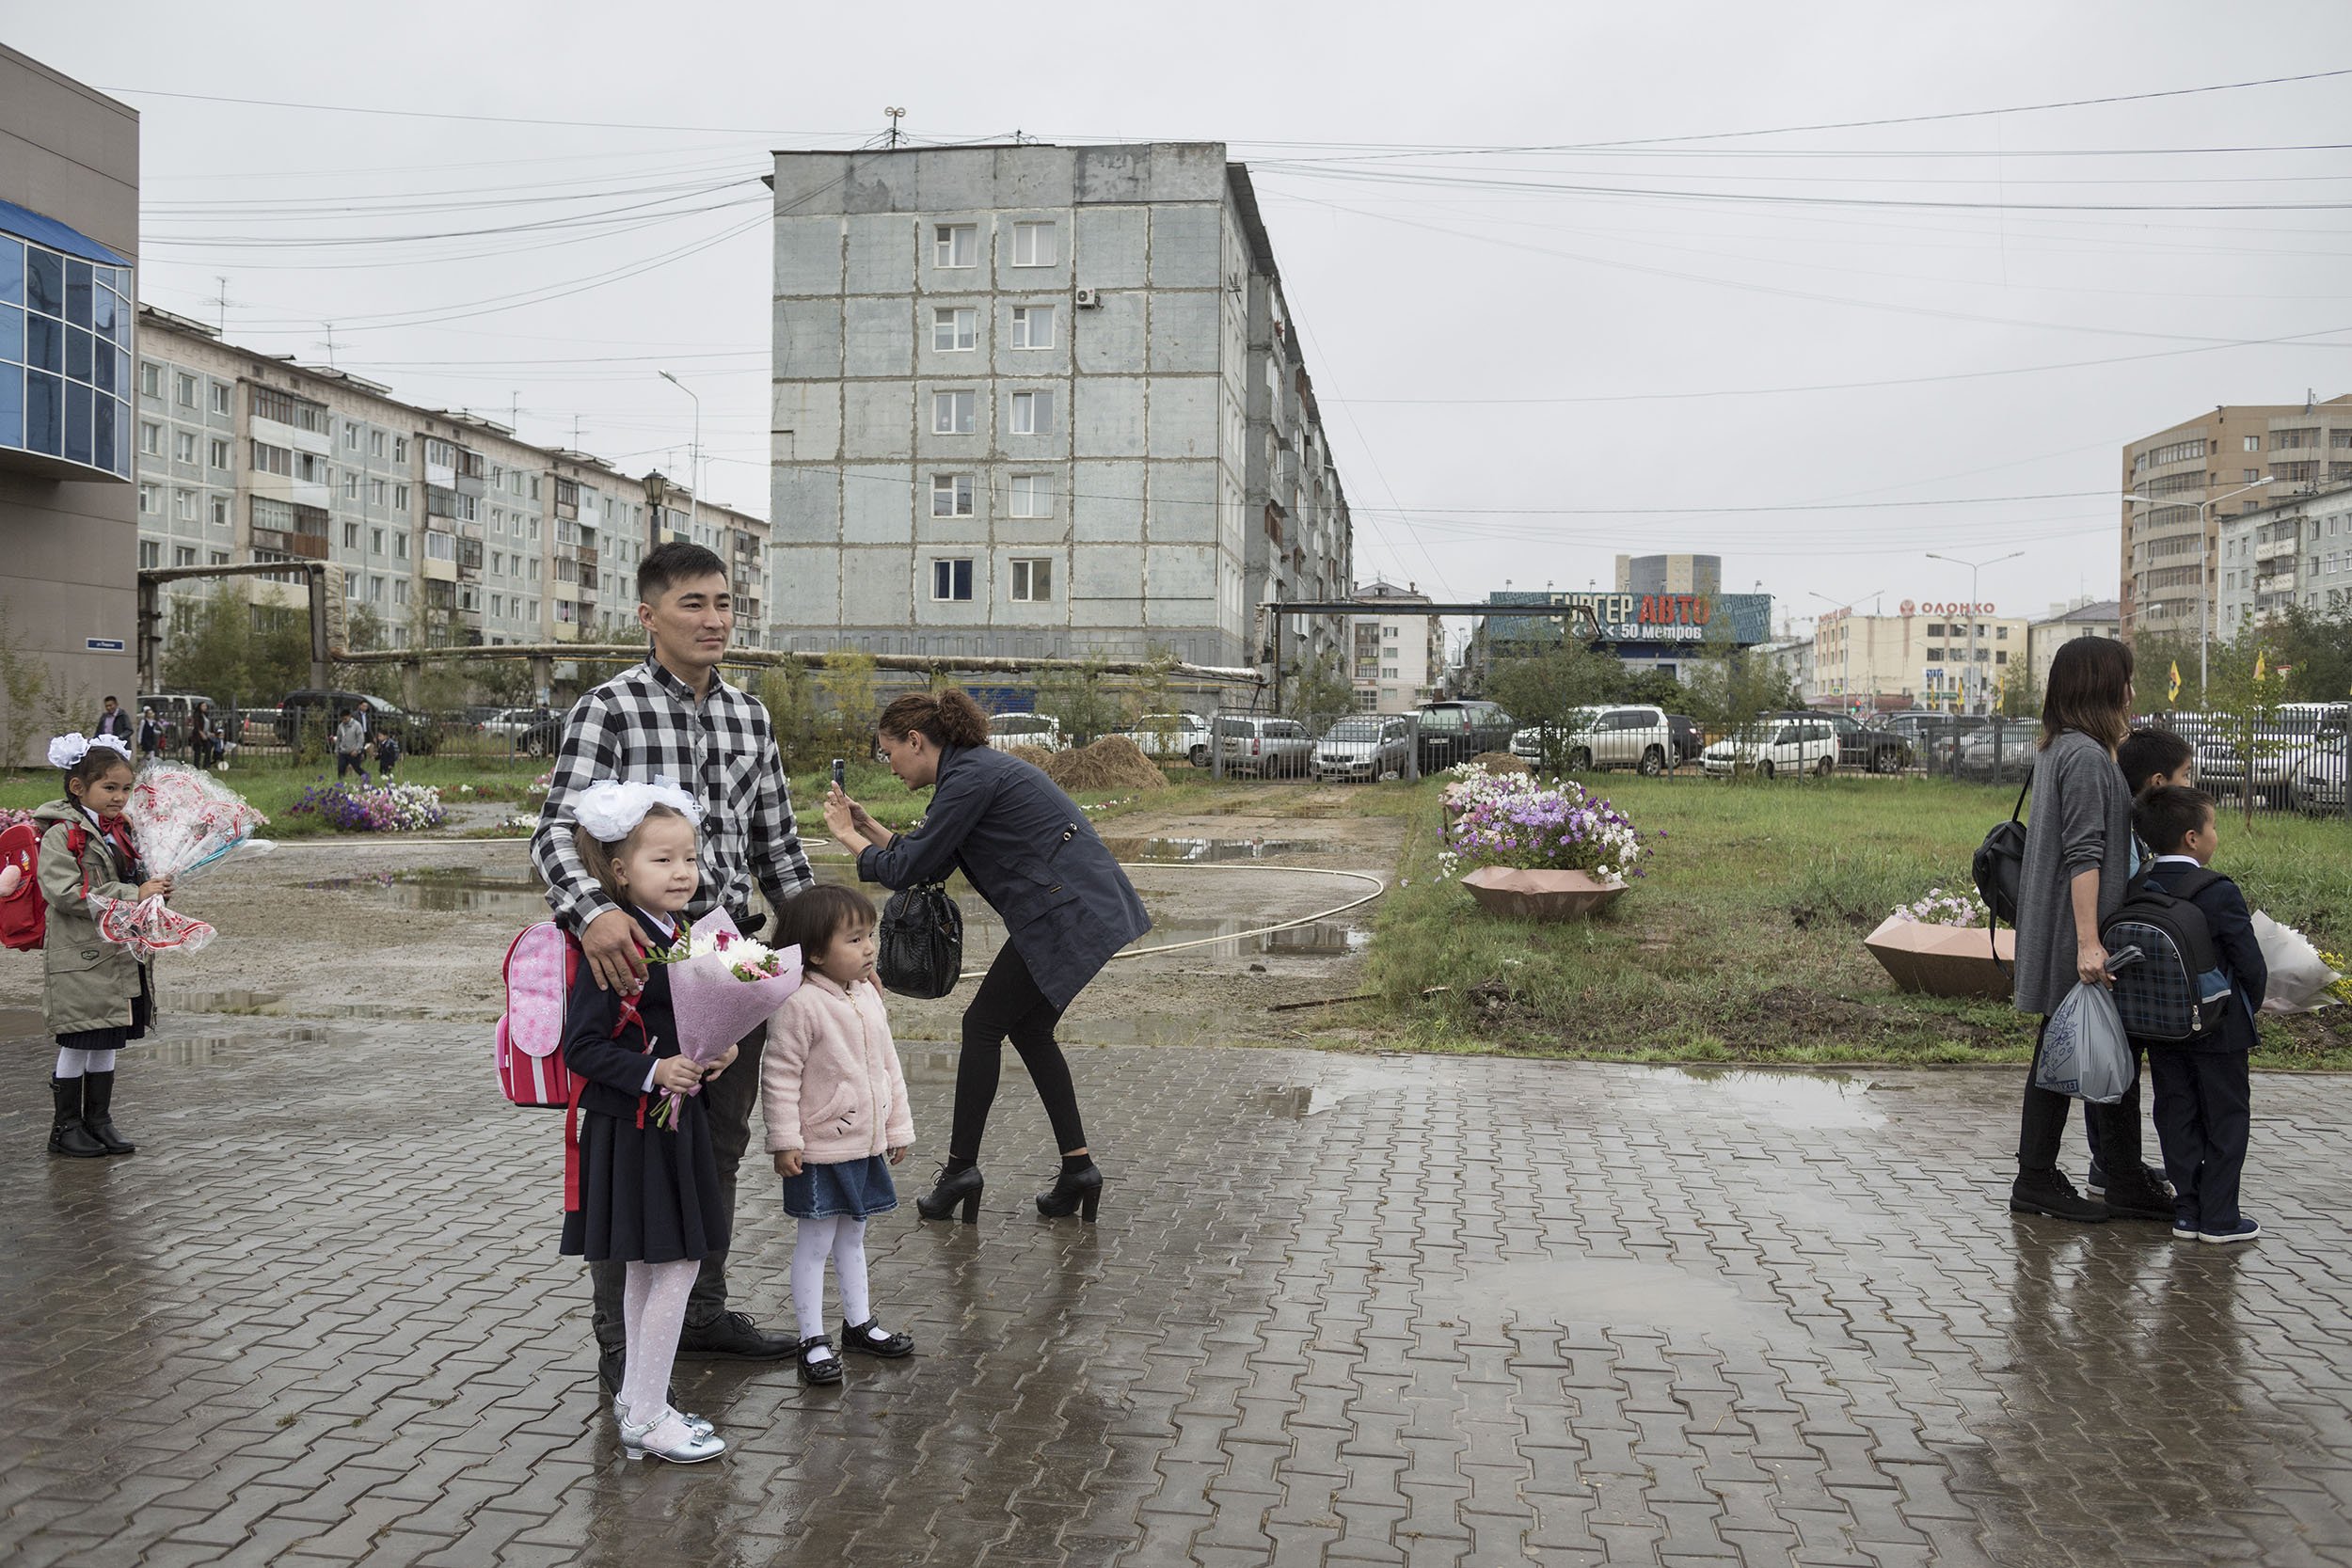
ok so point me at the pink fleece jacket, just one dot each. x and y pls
(830, 1085)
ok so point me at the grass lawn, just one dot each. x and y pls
(1744, 942)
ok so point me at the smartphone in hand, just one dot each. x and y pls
(840, 774)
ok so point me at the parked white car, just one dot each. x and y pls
(1601, 739)
(1776, 746)
(1362, 747)
(2318, 785)
(1007, 730)
(1167, 735)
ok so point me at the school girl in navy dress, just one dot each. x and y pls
(648, 1191)
(835, 1099)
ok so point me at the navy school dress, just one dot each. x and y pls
(647, 1194)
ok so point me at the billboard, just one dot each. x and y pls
(1744, 619)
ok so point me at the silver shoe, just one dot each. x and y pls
(700, 1424)
(636, 1443)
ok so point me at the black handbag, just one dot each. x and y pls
(919, 950)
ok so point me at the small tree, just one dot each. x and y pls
(1319, 693)
(1733, 689)
(791, 698)
(1154, 694)
(847, 686)
(2241, 704)
(2021, 695)
(1549, 688)
(210, 651)
(23, 684)
(1082, 701)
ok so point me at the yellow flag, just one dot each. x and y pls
(2174, 694)
(2261, 666)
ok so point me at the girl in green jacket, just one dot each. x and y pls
(95, 995)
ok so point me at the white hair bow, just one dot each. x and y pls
(67, 751)
(610, 809)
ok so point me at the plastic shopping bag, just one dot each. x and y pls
(2084, 1053)
(2298, 978)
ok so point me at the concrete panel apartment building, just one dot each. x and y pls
(1036, 400)
(444, 528)
(69, 245)
(1396, 660)
(2231, 460)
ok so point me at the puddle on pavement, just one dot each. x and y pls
(263, 1002)
(1190, 1028)
(1615, 1291)
(1204, 851)
(1786, 1098)
(444, 890)
(1345, 1079)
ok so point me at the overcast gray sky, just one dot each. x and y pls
(1511, 346)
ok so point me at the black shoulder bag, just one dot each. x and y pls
(920, 944)
(1998, 865)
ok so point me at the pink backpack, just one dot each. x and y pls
(540, 964)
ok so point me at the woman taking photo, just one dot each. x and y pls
(2078, 853)
(1028, 850)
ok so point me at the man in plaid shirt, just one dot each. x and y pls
(672, 718)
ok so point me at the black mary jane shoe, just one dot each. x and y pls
(820, 1373)
(960, 1191)
(1073, 1191)
(860, 1337)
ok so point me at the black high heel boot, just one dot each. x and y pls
(1074, 1192)
(960, 1189)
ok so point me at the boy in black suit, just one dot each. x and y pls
(2202, 1094)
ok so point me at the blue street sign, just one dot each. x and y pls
(103, 645)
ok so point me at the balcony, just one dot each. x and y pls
(2275, 548)
(276, 544)
(2282, 582)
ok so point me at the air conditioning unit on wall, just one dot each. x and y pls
(1090, 299)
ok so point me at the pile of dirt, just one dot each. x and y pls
(1036, 756)
(1111, 762)
(1498, 762)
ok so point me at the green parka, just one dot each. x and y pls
(88, 982)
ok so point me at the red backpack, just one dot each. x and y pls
(23, 912)
(541, 963)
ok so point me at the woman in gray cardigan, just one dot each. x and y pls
(2079, 849)
(1029, 850)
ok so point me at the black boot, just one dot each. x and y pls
(67, 1135)
(955, 1189)
(1073, 1191)
(98, 1098)
(2047, 1192)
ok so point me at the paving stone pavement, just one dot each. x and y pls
(1339, 1310)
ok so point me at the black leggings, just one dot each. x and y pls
(1009, 1005)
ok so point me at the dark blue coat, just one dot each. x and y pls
(1032, 854)
(616, 1067)
(2233, 928)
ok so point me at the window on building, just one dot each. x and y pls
(400, 498)
(351, 536)
(1032, 414)
(952, 413)
(2287, 440)
(2253, 443)
(1033, 326)
(951, 578)
(1033, 246)
(150, 380)
(376, 443)
(1935, 656)
(184, 555)
(534, 569)
(954, 330)
(1388, 672)
(955, 245)
(1033, 580)
(351, 437)
(952, 495)
(1032, 496)
(400, 449)
(272, 460)
(185, 386)
(219, 454)
(400, 544)
(376, 541)
(220, 511)
(150, 439)
(183, 446)
(183, 505)
(150, 554)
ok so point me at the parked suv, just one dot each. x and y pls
(1776, 746)
(1689, 743)
(2302, 733)
(312, 708)
(1042, 730)
(532, 732)
(1162, 736)
(1266, 748)
(1859, 746)
(1456, 731)
(1364, 746)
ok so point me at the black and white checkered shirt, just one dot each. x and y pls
(644, 726)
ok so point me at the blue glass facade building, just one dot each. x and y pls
(66, 315)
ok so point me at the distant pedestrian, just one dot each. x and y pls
(1033, 855)
(2078, 853)
(151, 734)
(834, 1097)
(651, 1204)
(351, 747)
(200, 735)
(112, 720)
(386, 756)
(96, 996)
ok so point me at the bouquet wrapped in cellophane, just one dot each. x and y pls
(184, 822)
(721, 983)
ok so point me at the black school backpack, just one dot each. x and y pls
(2175, 989)
(2001, 860)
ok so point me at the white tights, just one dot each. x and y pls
(653, 1309)
(72, 1063)
(842, 1240)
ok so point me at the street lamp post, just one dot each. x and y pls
(2205, 562)
(1969, 682)
(695, 500)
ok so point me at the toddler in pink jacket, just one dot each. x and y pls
(835, 1100)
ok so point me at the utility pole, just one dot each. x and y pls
(694, 500)
(896, 116)
(1970, 683)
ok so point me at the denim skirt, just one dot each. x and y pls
(853, 1189)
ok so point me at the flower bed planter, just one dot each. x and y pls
(1944, 961)
(1539, 894)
